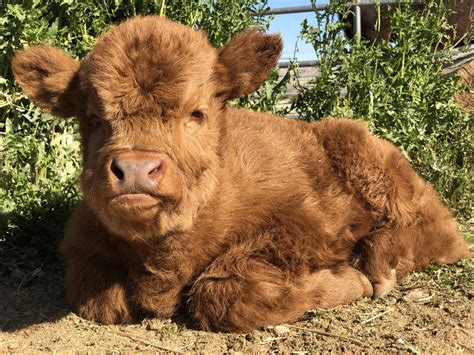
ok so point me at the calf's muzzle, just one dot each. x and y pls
(137, 172)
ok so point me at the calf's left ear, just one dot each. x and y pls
(245, 62)
(49, 78)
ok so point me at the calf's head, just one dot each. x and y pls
(150, 101)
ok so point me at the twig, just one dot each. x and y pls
(466, 347)
(376, 316)
(186, 346)
(408, 346)
(425, 299)
(146, 342)
(465, 331)
(320, 332)
(460, 40)
(269, 340)
(143, 349)
(27, 278)
(408, 288)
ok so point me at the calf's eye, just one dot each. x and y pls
(95, 121)
(197, 115)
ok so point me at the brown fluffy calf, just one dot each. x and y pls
(245, 218)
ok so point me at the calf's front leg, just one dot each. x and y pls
(239, 292)
(155, 290)
(377, 258)
(95, 278)
(95, 290)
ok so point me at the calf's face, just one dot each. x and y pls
(150, 101)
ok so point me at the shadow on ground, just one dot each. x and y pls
(30, 299)
(31, 285)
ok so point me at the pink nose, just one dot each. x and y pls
(137, 172)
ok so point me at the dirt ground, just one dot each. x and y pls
(429, 312)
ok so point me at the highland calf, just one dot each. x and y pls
(242, 218)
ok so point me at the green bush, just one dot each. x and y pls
(399, 89)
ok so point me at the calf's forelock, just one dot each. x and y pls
(145, 64)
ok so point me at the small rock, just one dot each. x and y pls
(281, 329)
(154, 324)
(249, 337)
(415, 295)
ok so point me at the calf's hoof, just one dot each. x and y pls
(368, 289)
(385, 285)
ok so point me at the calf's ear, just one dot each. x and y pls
(49, 77)
(245, 62)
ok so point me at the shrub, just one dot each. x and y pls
(399, 89)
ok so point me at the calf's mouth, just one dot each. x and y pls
(136, 200)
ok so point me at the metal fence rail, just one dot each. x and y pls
(355, 5)
(311, 8)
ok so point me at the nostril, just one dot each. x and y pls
(135, 170)
(155, 170)
(116, 170)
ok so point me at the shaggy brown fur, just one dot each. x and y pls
(460, 16)
(245, 218)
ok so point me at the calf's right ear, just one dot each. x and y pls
(245, 62)
(49, 77)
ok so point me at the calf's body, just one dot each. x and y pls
(244, 219)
